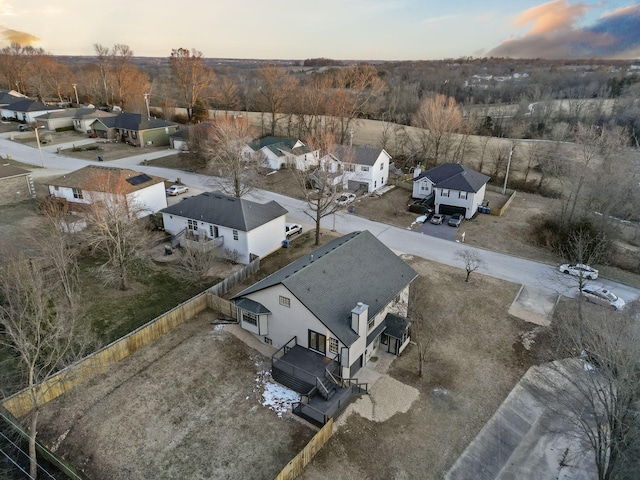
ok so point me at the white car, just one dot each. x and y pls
(345, 199)
(291, 229)
(177, 190)
(579, 270)
(602, 296)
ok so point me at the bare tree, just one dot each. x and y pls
(275, 88)
(601, 393)
(191, 76)
(441, 119)
(472, 261)
(40, 327)
(227, 139)
(114, 227)
(196, 261)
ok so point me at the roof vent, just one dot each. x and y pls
(359, 304)
(311, 257)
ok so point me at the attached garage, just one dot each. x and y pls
(451, 209)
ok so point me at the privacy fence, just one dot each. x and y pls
(296, 466)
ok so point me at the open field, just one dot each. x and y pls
(197, 403)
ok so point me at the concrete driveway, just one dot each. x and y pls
(443, 231)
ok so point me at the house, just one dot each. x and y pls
(134, 129)
(26, 110)
(60, 120)
(15, 184)
(330, 311)
(365, 167)
(241, 229)
(276, 153)
(85, 116)
(454, 188)
(147, 192)
(178, 140)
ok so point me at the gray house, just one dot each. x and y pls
(453, 187)
(134, 129)
(327, 314)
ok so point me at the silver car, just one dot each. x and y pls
(579, 270)
(602, 296)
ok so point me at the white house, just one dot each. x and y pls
(363, 167)
(85, 116)
(454, 188)
(341, 303)
(146, 192)
(277, 153)
(26, 110)
(241, 229)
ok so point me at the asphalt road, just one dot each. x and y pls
(513, 269)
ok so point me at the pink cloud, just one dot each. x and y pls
(552, 16)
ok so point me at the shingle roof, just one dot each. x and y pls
(363, 155)
(455, 177)
(335, 277)
(266, 141)
(7, 171)
(231, 212)
(396, 325)
(93, 113)
(8, 97)
(28, 105)
(135, 121)
(83, 178)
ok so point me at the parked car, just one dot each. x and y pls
(455, 220)
(23, 127)
(291, 229)
(345, 199)
(579, 270)
(437, 219)
(602, 296)
(177, 190)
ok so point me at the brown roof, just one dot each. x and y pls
(83, 178)
(7, 171)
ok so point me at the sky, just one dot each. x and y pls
(337, 29)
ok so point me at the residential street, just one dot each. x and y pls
(405, 241)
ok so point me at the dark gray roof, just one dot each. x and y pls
(8, 97)
(335, 277)
(252, 306)
(135, 121)
(364, 155)
(231, 212)
(28, 105)
(455, 177)
(396, 325)
(267, 141)
(376, 332)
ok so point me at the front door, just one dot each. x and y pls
(317, 342)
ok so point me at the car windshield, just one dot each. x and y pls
(610, 296)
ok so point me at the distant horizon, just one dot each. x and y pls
(379, 30)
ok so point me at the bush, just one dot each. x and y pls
(64, 129)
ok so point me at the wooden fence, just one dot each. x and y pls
(296, 466)
(231, 281)
(405, 182)
(54, 386)
(503, 208)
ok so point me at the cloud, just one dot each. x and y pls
(439, 19)
(555, 35)
(14, 36)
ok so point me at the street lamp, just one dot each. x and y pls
(74, 85)
(39, 148)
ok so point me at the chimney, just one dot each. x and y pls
(359, 318)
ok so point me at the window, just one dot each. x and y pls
(250, 318)
(382, 166)
(213, 231)
(77, 193)
(235, 234)
(268, 341)
(317, 342)
(56, 188)
(134, 135)
(333, 345)
(350, 168)
(424, 186)
(371, 323)
(444, 192)
(462, 195)
(192, 224)
(365, 169)
(285, 301)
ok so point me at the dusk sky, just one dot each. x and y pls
(353, 29)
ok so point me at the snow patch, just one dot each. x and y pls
(275, 396)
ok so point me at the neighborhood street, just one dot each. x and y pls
(513, 269)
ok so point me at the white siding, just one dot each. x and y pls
(470, 203)
(267, 238)
(151, 199)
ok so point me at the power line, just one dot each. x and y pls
(26, 455)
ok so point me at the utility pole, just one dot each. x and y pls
(74, 85)
(146, 101)
(39, 148)
(506, 177)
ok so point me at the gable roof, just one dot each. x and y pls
(92, 112)
(267, 141)
(226, 211)
(82, 178)
(455, 177)
(7, 97)
(8, 171)
(363, 155)
(28, 105)
(135, 121)
(335, 277)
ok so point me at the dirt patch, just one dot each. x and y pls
(472, 364)
(197, 403)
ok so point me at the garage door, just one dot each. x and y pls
(451, 209)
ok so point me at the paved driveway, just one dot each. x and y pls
(442, 231)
